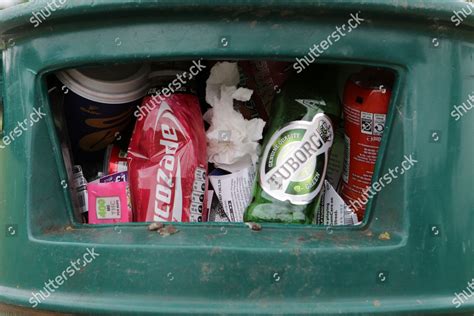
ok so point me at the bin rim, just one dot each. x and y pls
(18, 16)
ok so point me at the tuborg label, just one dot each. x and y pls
(295, 160)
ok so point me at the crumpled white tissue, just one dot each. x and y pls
(232, 140)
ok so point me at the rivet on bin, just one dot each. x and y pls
(224, 42)
(11, 230)
(435, 136)
(435, 230)
(382, 277)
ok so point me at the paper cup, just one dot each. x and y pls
(99, 104)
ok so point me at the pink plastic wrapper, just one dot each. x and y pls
(119, 177)
(167, 160)
(108, 203)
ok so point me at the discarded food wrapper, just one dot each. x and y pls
(108, 203)
(214, 209)
(234, 191)
(115, 177)
(232, 140)
(118, 177)
(333, 210)
(115, 160)
(167, 158)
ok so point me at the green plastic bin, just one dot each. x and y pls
(415, 250)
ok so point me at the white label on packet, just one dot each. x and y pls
(333, 210)
(108, 207)
(122, 166)
(234, 191)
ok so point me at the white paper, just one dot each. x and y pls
(333, 210)
(234, 192)
(214, 209)
(336, 160)
(232, 139)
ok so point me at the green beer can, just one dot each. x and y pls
(296, 149)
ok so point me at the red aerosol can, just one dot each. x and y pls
(366, 99)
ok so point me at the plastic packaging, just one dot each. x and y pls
(167, 159)
(108, 203)
(115, 160)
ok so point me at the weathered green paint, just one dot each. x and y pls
(209, 268)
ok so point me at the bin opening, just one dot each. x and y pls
(221, 141)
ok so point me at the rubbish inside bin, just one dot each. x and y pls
(108, 203)
(80, 191)
(167, 159)
(215, 210)
(333, 210)
(99, 103)
(239, 141)
(296, 149)
(233, 191)
(233, 141)
(115, 160)
(265, 78)
(366, 100)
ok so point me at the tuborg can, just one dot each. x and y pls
(296, 149)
